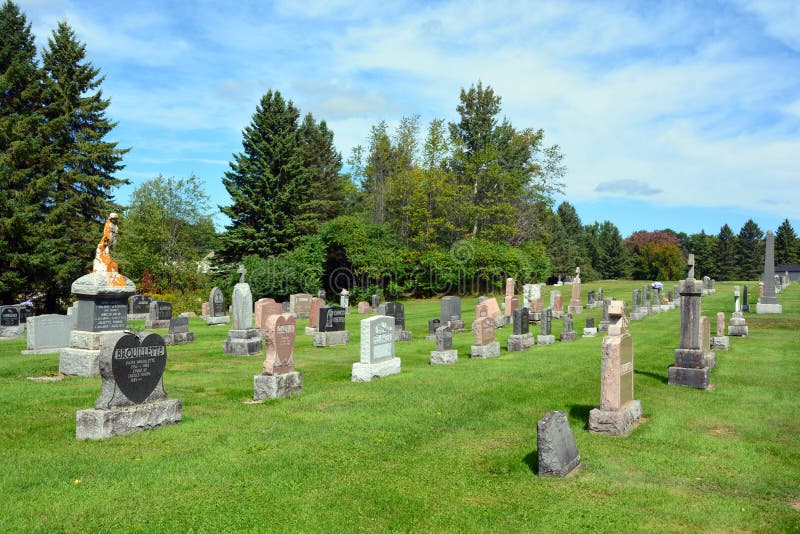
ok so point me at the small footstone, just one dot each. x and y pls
(491, 350)
(277, 386)
(444, 357)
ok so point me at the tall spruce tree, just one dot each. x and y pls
(614, 258)
(703, 247)
(725, 254)
(22, 183)
(268, 183)
(750, 251)
(81, 163)
(787, 249)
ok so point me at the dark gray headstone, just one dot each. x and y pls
(590, 297)
(138, 365)
(140, 303)
(102, 314)
(521, 321)
(216, 302)
(433, 324)
(745, 302)
(547, 322)
(331, 319)
(557, 451)
(450, 308)
(590, 322)
(179, 325)
(444, 338)
(9, 316)
(164, 310)
(567, 324)
(396, 310)
(606, 302)
(376, 301)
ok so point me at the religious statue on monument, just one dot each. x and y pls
(102, 260)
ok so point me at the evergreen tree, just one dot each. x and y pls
(82, 164)
(268, 184)
(750, 251)
(703, 246)
(328, 187)
(378, 170)
(787, 249)
(614, 259)
(21, 164)
(725, 254)
(575, 232)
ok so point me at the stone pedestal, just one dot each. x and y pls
(545, 339)
(720, 343)
(768, 308)
(589, 332)
(569, 336)
(277, 386)
(519, 342)
(246, 342)
(331, 339)
(366, 372)
(443, 357)
(221, 319)
(102, 424)
(689, 377)
(491, 350)
(82, 356)
(179, 339)
(737, 326)
(615, 422)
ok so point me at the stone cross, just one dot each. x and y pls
(242, 271)
(690, 263)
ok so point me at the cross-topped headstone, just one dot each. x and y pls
(690, 263)
(242, 271)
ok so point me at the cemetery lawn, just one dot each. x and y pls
(434, 449)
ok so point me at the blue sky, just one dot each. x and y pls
(676, 114)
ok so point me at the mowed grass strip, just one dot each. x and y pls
(436, 449)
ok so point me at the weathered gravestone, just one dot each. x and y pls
(557, 303)
(745, 300)
(604, 321)
(568, 332)
(264, 309)
(10, 323)
(344, 300)
(397, 310)
(557, 451)
(738, 325)
(450, 313)
(444, 353)
(377, 350)
(618, 411)
(48, 334)
(485, 345)
(132, 396)
(300, 305)
(521, 339)
(510, 288)
(205, 310)
(331, 327)
(25, 313)
(636, 306)
(433, 324)
(313, 315)
(218, 311)
(243, 339)
(160, 314)
(768, 303)
(690, 368)
(705, 342)
(546, 337)
(376, 303)
(364, 307)
(494, 311)
(590, 330)
(278, 377)
(179, 332)
(575, 302)
(139, 307)
(720, 341)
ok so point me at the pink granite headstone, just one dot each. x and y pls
(281, 331)
(259, 309)
(484, 331)
(266, 309)
(558, 303)
(206, 309)
(313, 317)
(364, 307)
(720, 324)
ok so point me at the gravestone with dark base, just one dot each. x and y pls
(331, 327)
(132, 396)
(690, 368)
(546, 337)
(522, 338)
(444, 353)
(278, 378)
(179, 332)
(377, 359)
(397, 310)
(99, 314)
(555, 443)
(618, 411)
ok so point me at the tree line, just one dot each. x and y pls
(418, 209)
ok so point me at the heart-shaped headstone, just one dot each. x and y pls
(281, 334)
(138, 365)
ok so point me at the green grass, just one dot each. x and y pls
(434, 449)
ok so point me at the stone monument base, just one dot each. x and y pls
(402, 335)
(443, 357)
(456, 325)
(589, 332)
(518, 342)
(153, 325)
(768, 308)
(138, 316)
(574, 309)
(83, 354)
(549, 339)
(277, 386)
(220, 319)
(310, 331)
(738, 325)
(485, 351)
(569, 336)
(331, 339)
(101, 424)
(615, 422)
(179, 339)
(12, 331)
(720, 343)
(51, 350)
(243, 342)
(689, 377)
(691, 358)
(366, 372)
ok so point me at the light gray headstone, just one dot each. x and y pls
(242, 307)
(558, 453)
(377, 339)
(48, 331)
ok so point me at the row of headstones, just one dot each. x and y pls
(13, 320)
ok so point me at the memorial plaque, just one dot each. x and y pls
(138, 365)
(332, 319)
(9, 316)
(281, 333)
(217, 303)
(140, 303)
(110, 314)
(396, 310)
(484, 331)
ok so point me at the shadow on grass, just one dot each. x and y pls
(532, 461)
(581, 413)
(663, 378)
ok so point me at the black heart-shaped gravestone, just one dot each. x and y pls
(138, 365)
